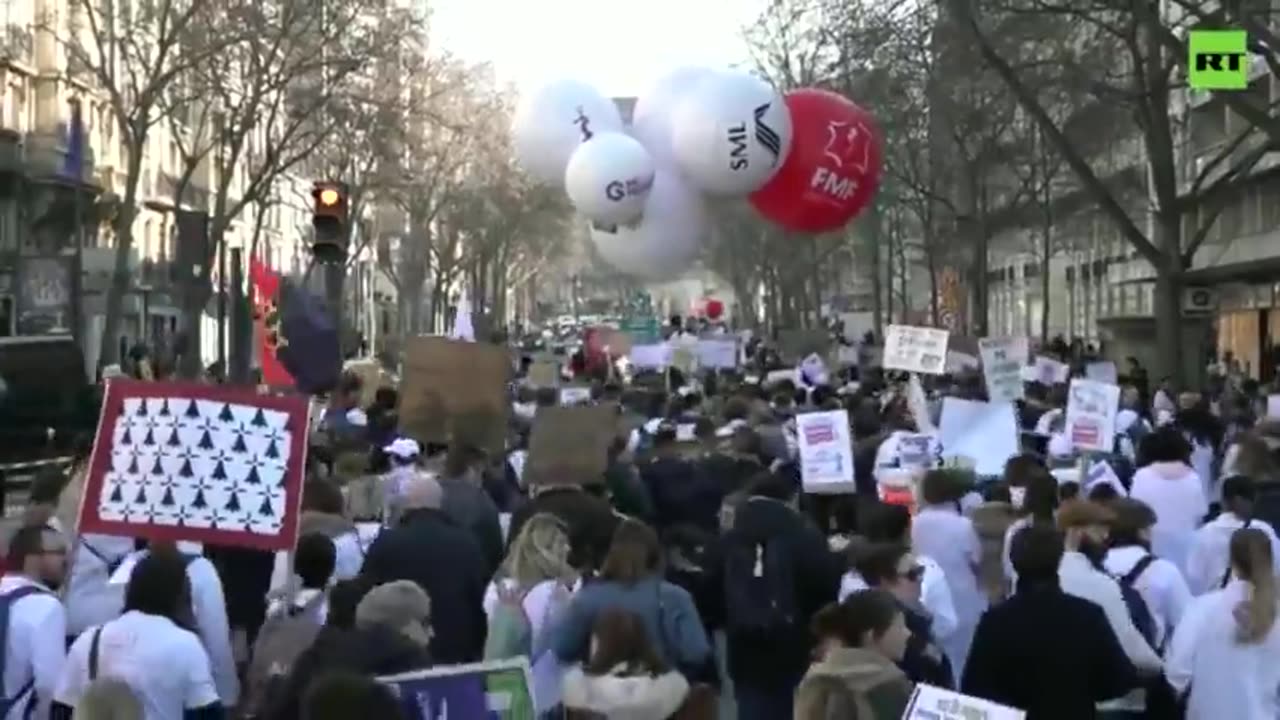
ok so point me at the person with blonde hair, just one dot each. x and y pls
(535, 576)
(108, 698)
(1227, 647)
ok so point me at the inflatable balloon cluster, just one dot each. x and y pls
(808, 160)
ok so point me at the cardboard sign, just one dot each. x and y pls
(575, 395)
(544, 374)
(569, 445)
(1002, 363)
(718, 354)
(934, 703)
(481, 691)
(455, 389)
(826, 452)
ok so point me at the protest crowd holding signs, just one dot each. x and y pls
(702, 524)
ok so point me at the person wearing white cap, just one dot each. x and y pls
(402, 454)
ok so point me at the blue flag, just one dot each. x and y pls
(309, 347)
(73, 164)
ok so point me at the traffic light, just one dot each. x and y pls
(329, 217)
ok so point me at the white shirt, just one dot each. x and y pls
(1228, 679)
(541, 603)
(1160, 584)
(1207, 561)
(1080, 578)
(1174, 492)
(950, 539)
(1006, 561)
(164, 665)
(210, 609)
(36, 647)
(348, 557)
(89, 598)
(934, 595)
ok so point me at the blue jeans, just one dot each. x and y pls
(763, 704)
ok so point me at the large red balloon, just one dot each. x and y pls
(714, 309)
(833, 169)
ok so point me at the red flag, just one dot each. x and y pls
(266, 322)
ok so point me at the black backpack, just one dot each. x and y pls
(7, 602)
(1139, 612)
(759, 587)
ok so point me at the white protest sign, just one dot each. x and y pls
(1050, 371)
(1273, 406)
(915, 451)
(915, 349)
(718, 354)
(1002, 363)
(1091, 415)
(826, 453)
(934, 703)
(986, 433)
(1103, 371)
(575, 396)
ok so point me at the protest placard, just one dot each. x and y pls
(934, 703)
(1102, 371)
(498, 690)
(1050, 371)
(826, 454)
(718, 354)
(1002, 362)
(452, 389)
(575, 395)
(984, 433)
(915, 349)
(1091, 414)
(569, 445)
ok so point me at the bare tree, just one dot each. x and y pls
(1134, 90)
(133, 54)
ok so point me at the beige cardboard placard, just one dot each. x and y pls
(570, 445)
(453, 389)
(544, 374)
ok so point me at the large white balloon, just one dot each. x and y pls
(668, 236)
(731, 134)
(553, 121)
(652, 117)
(609, 177)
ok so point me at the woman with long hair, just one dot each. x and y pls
(536, 576)
(1226, 649)
(624, 678)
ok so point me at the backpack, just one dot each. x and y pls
(1137, 606)
(7, 602)
(282, 639)
(759, 587)
(510, 629)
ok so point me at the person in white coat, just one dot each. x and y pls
(1226, 651)
(942, 533)
(1208, 567)
(1171, 488)
(885, 523)
(1085, 526)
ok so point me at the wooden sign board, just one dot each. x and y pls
(570, 445)
(453, 389)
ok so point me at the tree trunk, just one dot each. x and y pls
(1168, 298)
(1046, 255)
(109, 350)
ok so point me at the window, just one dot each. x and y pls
(6, 316)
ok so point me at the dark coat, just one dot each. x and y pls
(371, 652)
(1049, 653)
(590, 518)
(780, 660)
(471, 507)
(428, 548)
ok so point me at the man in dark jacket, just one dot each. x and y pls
(769, 651)
(428, 548)
(469, 504)
(1043, 651)
(585, 511)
